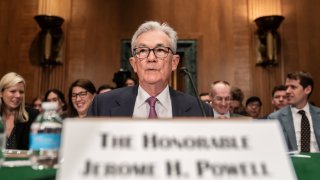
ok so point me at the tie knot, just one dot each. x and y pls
(152, 101)
(302, 112)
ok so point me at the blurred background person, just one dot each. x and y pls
(205, 97)
(220, 93)
(16, 117)
(104, 88)
(279, 97)
(36, 104)
(130, 82)
(120, 77)
(80, 95)
(253, 107)
(55, 95)
(236, 105)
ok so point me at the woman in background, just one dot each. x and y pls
(37, 104)
(80, 95)
(55, 95)
(16, 117)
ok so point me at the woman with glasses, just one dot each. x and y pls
(14, 115)
(80, 95)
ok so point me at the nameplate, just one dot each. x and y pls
(188, 149)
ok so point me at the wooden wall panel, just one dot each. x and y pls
(224, 31)
(93, 41)
(301, 37)
(221, 28)
(17, 31)
(263, 78)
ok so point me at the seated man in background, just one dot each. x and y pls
(253, 107)
(154, 58)
(300, 121)
(279, 97)
(220, 93)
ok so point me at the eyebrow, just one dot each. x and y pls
(144, 45)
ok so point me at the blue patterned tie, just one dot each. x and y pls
(305, 132)
(152, 103)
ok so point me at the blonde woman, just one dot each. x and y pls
(15, 117)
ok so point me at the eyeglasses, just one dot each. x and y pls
(220, 99)
(253, 104)
(159, 52)
(81, 94)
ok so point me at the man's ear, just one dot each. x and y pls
(133, 64)
(175, 61)
(308, 89)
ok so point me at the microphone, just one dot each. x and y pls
(185, 71)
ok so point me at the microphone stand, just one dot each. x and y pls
(185, 71)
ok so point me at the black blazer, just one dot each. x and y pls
(23, 129)
(120, 102)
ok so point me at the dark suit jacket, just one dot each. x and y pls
(22, 130)
(285, 118)
(120, 102)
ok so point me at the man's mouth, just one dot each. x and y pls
(152, 69)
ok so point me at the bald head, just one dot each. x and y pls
(220, 93)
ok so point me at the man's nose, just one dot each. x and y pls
(152, 56)
(288, 91)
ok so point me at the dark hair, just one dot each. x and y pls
(120, 77)
(60, 96)
(34, 100)
(130, 78)
(305, 79)
(104, 86)
(237, 94)
(253, 99)
(278, 88)
(83, 83)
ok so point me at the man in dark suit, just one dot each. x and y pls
(154, 58)
(300, 121)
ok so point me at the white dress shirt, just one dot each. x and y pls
(163, 105)
(218, 115)
(297, 127)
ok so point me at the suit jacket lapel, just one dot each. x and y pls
(315, 115)
(126, 103)
(178, 106)
(287, 120)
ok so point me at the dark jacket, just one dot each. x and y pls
(22, 130)
(120, 102)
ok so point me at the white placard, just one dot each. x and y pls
(121, 149)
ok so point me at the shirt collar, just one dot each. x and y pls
(216, 114)
(305, 108)
(163, 97)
